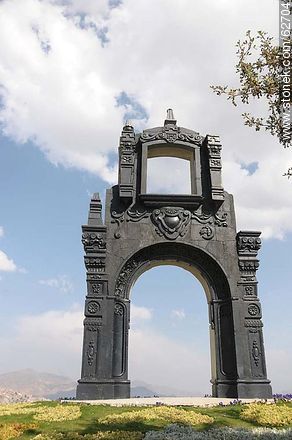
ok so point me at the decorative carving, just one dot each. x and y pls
(129, 159)
(215, 163)
(125, 275)
(249, 290)
(171, 222)
(94, 264)
(206, 232)
(93, 307)
(221, 221)
(213, 146)
(248, 265)
(171, 133)
(248, 243)
(254, 310)
(177, 217)
(211, 219)
(119, 310)
(92, 324)
(127, 163)
(132, 214)
(93, 276)
(127, 140)
(253, 323)
(215, 150)
(93, 242)
(255, 352)
(96, 288)
(90, 352)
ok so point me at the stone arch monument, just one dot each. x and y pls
(195, 231)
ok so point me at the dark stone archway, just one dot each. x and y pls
(195, 231)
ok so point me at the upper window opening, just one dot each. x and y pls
(168, 175)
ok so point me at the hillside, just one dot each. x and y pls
(10, 396)
(37, 384)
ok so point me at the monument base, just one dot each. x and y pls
(107, 389)
(242, 389)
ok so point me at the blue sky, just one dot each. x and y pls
(61, 113)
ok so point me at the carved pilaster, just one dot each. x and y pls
(94, 243)
(213, 145)
(120, 337)
(248, 245)
(127, 165)
(91, 348)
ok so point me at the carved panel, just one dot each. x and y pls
(207, 233)
(119, 340)
(93, 242)
(92, 308)
(171, 222)
(93, 264)
(256, 355)
(125, 275)
(91, 350)
(254, 310)
(250, 290)
(134, 213)
(248, 243)
(248, 265)
(226, 344)
(96, 288)
(92, 324)
(127, 173)
(213, 146)
(119, 310)
(211, 218)
(171, 133)
(253, 323)
(93, 277)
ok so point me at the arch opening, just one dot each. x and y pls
(216, 286)
(168, 307)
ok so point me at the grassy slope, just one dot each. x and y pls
(88, 423)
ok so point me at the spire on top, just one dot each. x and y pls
(169, 117)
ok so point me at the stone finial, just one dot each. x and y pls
(169, 117)
(128, 123)
(94, 215)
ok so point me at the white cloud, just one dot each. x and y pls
(1, 231)
(50, 341)
(140, 314)
(6, 264)
(178, 314)
(60, 283)
(60, 80)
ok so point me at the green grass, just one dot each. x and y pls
(89, 423)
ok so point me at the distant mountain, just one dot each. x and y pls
(142, 391)
(31, 384)
(34, 383)
(160, 390)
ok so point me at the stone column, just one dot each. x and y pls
(95, 357)
(252, 380)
